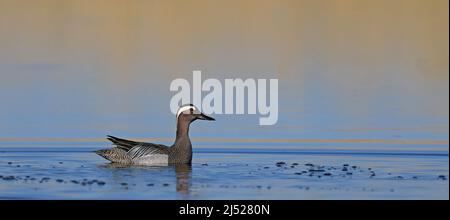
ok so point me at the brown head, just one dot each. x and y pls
(189, 113)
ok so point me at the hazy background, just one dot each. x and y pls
(347, 69)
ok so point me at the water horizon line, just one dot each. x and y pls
(230, 140)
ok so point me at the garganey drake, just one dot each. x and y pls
(141, 153)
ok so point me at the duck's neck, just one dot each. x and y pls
(181, 152)
(182, 132)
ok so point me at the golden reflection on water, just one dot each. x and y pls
(349, 35)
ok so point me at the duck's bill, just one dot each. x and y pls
(205, 117)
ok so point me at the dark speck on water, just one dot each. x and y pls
(316, 170)
(150, 184)
(166, 184)
(280, 163)
(9, 178)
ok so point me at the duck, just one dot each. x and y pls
(128, 152)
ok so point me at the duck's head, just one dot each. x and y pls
(190, 113)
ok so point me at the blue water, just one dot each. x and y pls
(55, 170)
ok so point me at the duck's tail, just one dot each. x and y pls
(122, 143)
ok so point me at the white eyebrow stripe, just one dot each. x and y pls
(184, 108)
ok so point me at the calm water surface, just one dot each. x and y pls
(228, 170)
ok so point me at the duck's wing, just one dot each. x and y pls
(147, 149)
(122, 143)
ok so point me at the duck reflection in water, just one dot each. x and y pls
(123, 172)
(183, 173)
